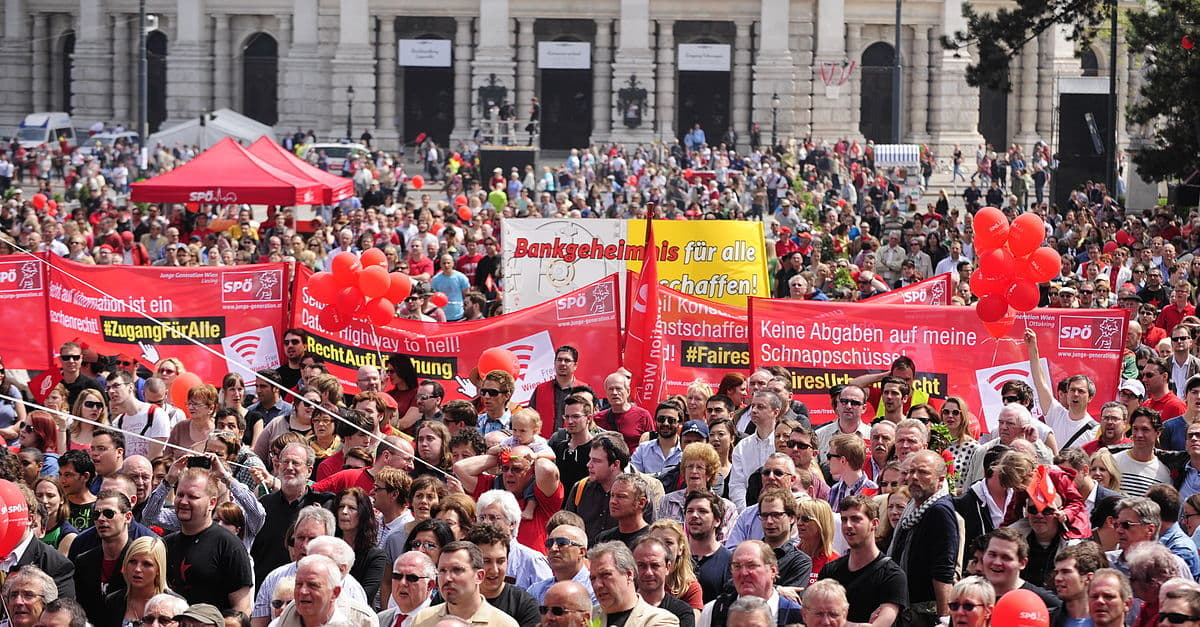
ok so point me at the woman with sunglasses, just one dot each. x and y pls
(39, 431)
(958, 419)
(169, 369)
(971, 602)
(12, 413)
(78, 436)
(814, 525)
(145, 571)
(285, 592)
(59, 532)
(357, 525)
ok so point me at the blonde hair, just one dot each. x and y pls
(702, 452)
(154, 547)
(962, 433)
(682, 575)
(531, 414)
(85, 395)
(1104, 459)
(821, 514)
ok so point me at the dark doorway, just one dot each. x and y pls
(260, 79)
(704, 100)
(993, 116)
(875, 108)
(428, 103)
(566, 109)
(68, 62)
(156, 79)
(1089, 63)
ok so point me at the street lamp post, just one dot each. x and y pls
(142, 105)
(774, 120)
(350, 113)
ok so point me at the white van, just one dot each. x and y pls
(46, 127)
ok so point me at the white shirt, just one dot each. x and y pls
(995, 510)
(1059, 419)
(10, 560)
(772, 603)
(749, 455)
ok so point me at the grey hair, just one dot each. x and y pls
(310, 455)
(752, 605)
(320, 562)
(320, 514)
(1147, 511)
(284, 583)
(506, 501)
(776, 400)
(171, 604)
(913, 423)
(975, 586)
(35, 574)
(621, 555)
(1022, 413)
(342, 553)
(427, 565)
(782, 456)
(1150, 560)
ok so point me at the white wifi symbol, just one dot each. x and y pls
(246, 347)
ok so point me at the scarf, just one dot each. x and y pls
(908, 520)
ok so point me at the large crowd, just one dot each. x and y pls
(304, 503)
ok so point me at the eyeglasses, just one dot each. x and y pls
(1175, 618)
(556, 610)
(27, 595)
(775, 472)
(425, 544)
(771, 515)
(162, 620)
(1046, 511)
(278, 603)
(409, 577)
(167, 371)
(490, 392)
(849, 402)
(951, 412)
(93, 404)
(802, 446)
(108, 513)
(561, 543)
(1010, 399)
(965, 606)
(70, 357)
(1126, 525)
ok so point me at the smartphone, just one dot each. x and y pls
(199, 461)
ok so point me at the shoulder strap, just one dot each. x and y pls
(579, 490)
(1088, 426)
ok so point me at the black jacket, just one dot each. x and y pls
(53, 563)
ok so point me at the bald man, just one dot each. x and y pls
(572, 598)
(141, 471)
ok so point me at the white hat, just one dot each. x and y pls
(1133, 386)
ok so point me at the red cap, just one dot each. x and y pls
(106, 247)
(127, 236)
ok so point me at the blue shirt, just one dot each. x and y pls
(487, 424)
(453, 287)
(649, 458)
(583, 578)
(1181, 545)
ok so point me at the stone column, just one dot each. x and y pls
(1124, 97)
(851, 97)
(91, 77)
(353, 64)
(918, 66)
(634, 59)
(775, 72)
(740, 103)
(189, 68)
(1045, 99)
(463, 51)
(386, 126)
(41, 62)
(301, 71)
(602, 85)
(954, 105)
(222, 62)
(664, 83)
(125, 70)
(1027, 81)
(831, 117)
(526, 69)
(494, 55)
(17, 49)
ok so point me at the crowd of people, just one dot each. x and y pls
(304, 503)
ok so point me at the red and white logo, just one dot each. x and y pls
(1084, 333)
(535, 360)
(261, 286)
(254, 349)
(20, 276)
(595, 302)
(990, 380)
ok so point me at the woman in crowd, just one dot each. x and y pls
(697, 395)
(681, 580)
(298, 421)
(12, 413)
(1104, 470)
(230, 516)
(91, 407)
(894, 504)
(428, 537)
(324, 439)
(39, 431)
(722, 435)
(403, 377)
(433, 447)
(733, 385)
(59, 532)
(958, 419)
(285, 592)
(233, 393)
(1189, 516)
(698, 468)
(971, 602)
(922, 412)
(814, 525)
(201, 410)
(244, 460)
(425, 495)
(145, 571)
(169, 369)
(457, 511)
(356, 524)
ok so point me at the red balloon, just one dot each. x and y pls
(991, 228)
(984, 284)
(631, 180)
(39, 201)
(998, 263)
(499, 359)
(373, 257)
(1000, 328)
(180, 387)
(439, 299)
(1044, 264)
(345, 268)
(14, 516)
(687, 173)
(460, 199)
(350, 301)
(1024, 296)
(373, 281)
(464, 213)
(991, 308)
(417, 181)
(1020, 608)
(331, 319)
(323, 287)
(53, 204)
(1026, 234)
(399, 287)
(380, 311)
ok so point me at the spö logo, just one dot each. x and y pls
(1083, 333)
(262, 286)
(20, 276)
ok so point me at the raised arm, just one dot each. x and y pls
(1041, 379)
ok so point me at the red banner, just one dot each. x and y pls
(643, 346)
(935, 290)
(826, 344)
(585, 318)
(237, 311)
(23, 297)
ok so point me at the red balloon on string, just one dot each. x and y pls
(991, 308)
(331, 319)
(499, 359)
(399, 287)
(345, 268)
(1026, 234)
(464, 213)
(998, 263)
(373, 257)
(1024, 296)
(39, 201)
(1020, 608)
(417, 181)
(439, 299)
(991, 228)
(380, 312)
(373, 281)
(1044, 264)
(14, 516)
(323, 287)
(1001, 327)
(984, 284)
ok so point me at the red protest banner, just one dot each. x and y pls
(826, 344)
(23, 297)
(585, 318)
(643, 332)
(238, 311)
(935, 290)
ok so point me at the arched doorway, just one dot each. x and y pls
(875, 108)
(1089, 63)
(156, 79)
(993, 116)
(260, 79)
(566, 101)
(68, 62)
(704, 92)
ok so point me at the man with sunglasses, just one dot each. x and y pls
(1181, 607)
(1138, 522)
(73, 377)
(663, 450)
(1156, 376)
(566, 548)
(777, 472)
(849, 407)
(414, 577)
(294, 348)
(566, 604)
(94, 575)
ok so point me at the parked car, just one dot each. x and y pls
(335, 154)
(90, 145)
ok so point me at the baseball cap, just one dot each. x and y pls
(1133, 386)
(204, 614)
(695, 426)
(127, 236)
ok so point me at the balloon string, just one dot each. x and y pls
(179, 334)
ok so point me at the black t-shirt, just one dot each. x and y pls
(290, 375)
(592, 508)
(881, 581)
(795, 566)
(572, 463)
(608, 535)
(684, 612)
(269, 549)
(81, 383)
(617, 619)
(207, 567)
(713, 572)
(518, 604)
(1049, 598)
(81, 516)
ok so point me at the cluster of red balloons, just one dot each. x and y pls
(1012, 262)
(358, 287)
(14, 516)
(42, 201)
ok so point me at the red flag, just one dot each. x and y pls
(643, 355)
(41, 385)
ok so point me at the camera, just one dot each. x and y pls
(199, 461)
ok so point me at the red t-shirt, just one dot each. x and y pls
(333, 465)
(631, 424)
(1091, 447)
(343, 479)
(1168, 405)
(1171, 315)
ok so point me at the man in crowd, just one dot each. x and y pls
(73, 377)
(895, 395)
(132, 415)
(566, 605)
(825, 605)
(1014, 422)
(778, 472)
(525, 564)
(494, 543)
(107, 451)
(846, 457)
(702, 515)
(30, 552)
(1005, 556)
(653, 565)
(1156, 377)
(392, 451)
(63, 612)
(1072, 424)
(1138, 522)
(293, 469)
(1139, 465)
(460, 572)
(849, 407)
(1074, 567)
(566, 548)
(752, 451)
(26, 593)
(778, 510)
(520, 475)
(428, 405)
(613, 573)
(1110, 598)
(1088, 488)
(391, 493)
(572, 442)
(1183, 364)
(1174, 435)
(548, 397)
(496, 389)
(317, 598)
(93, 580)
(1114, 425)
(589, 496)
(754, 572)
(270, 404)
(205, 562)
(1170, 533)
(294, 349)
(662, 450)
(925, 543)
(627, 501)
(413, 579)
(874, 584)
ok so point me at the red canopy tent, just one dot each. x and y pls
(336, 188)
(227, 174)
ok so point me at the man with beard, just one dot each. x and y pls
(494, 542)
(778, 510)
(205, 562)
(460, 573)
(702, 515)
(875, 585)
(926, 539)
(1114, 424)
(293, 470)
(294, 348)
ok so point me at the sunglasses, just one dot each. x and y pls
(93, 404)
(27, 428)
(774, 472)
(70, 357)
(561, 543)
(167, 371)
(849, 402)
(1045, 511)
(162, 620)
(409, 577)
(1010, 399)
(965, 606)
(108, 513)
(889, 484)
(490, 392)
(291, 341)
(666, 420)
(278, 603)
(951, 412)
(428, 546)
(803, 446)
(127, 364)
(1126, 525)
(556, 610)
(1175, 618)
